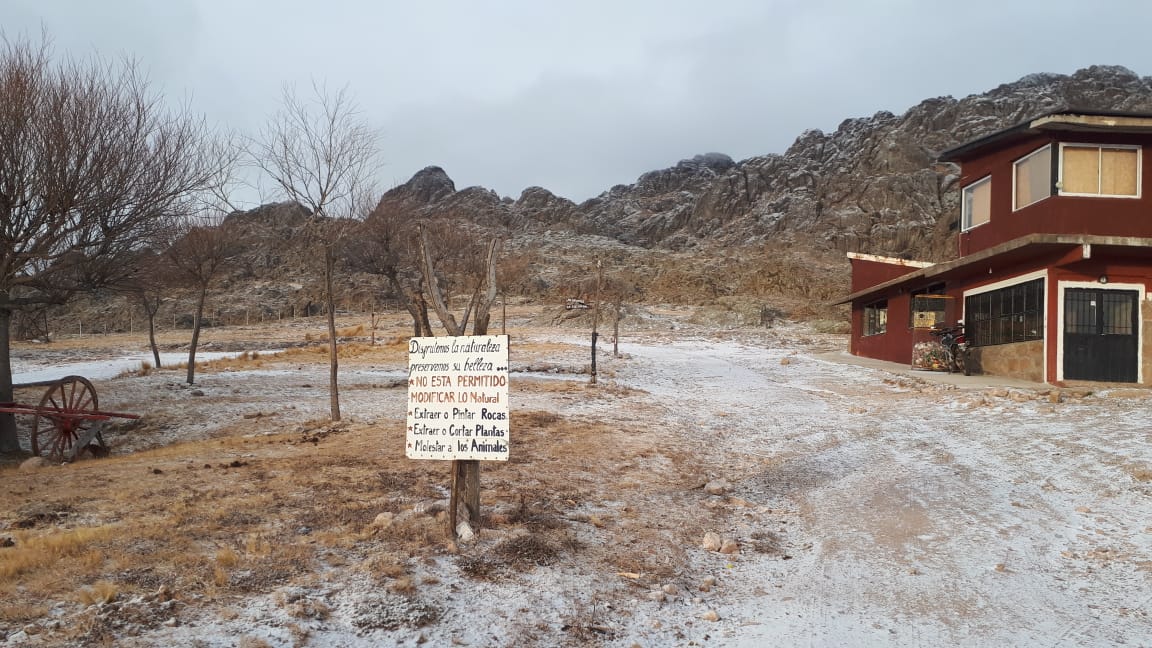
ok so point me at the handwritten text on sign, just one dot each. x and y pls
(458, 398)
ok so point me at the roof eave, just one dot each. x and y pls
(1065, 119)
(992, 252)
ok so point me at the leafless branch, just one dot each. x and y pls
(91, 167)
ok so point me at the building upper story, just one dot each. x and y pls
(1066, 172)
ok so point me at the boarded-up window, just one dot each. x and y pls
(977, 203)
(1081, 170)
(1100, 171)
(1033, 179)
(1118, 172)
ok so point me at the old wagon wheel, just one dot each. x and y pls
(61, 419)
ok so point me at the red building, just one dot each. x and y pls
(1055, 257)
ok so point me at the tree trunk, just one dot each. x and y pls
(9, 441)
(596, 318)
(484, 307)
(445, 315)
(333, 360)
(423, 324)
(152, 338)
(196, 334)
(418, 309)
(616, 332)
(150, 309)
(414, 303)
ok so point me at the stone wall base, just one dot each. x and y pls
(1023, 360)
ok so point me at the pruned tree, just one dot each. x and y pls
(475, 268)
(321, 153)
(198, 257)
(481, 282)
(89, 161)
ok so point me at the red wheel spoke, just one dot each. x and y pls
(61, 417)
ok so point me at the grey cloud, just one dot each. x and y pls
(579, 97)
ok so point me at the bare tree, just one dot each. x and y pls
(148, 287)
(320, 153)
(89, 160)
(385, 244)
(199, 256)
(617, 290)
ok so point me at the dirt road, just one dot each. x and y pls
(853, 506)
(924, 514)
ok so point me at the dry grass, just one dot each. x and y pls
(1139, 473)
(245, 360)
(227, 558)
(387, 566)
(99, 592)
(192, 517)
(19, 613)
(357, 330)
(403, 585)
(392, 349)
(548, 386)
(389, 351)
(37, 552)
(145, 369)
(414, 533)
(201, 530)
(546, 349)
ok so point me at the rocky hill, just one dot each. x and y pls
(765, 234)
(871, 186)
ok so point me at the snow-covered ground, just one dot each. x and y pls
(29, 369)
(870, 508)
(928, 515)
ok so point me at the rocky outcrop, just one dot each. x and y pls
(432, 194)
(538, 206)
(872, 185)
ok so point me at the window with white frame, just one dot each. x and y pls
(876, 318)
(1032, 178)
(1091, 170)
(976, 203)
(1011, 314)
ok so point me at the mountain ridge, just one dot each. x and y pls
(872, 185)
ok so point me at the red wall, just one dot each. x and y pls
(867, 273)
(895, 345)
(1056, 214)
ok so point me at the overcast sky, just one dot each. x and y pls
(579, 96)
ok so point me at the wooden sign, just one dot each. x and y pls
(458, 398)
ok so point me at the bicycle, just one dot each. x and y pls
(955, 347)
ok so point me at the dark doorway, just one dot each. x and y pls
(1101, 334)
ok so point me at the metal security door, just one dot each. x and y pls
(1101, 334)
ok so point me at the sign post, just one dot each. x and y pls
(458, 409)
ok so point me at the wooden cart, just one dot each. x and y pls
(68, 419)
